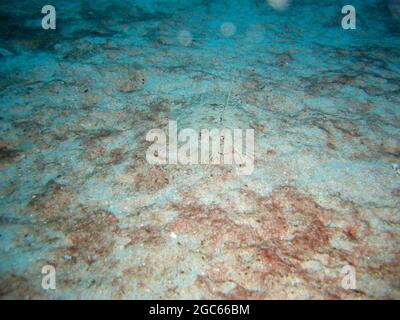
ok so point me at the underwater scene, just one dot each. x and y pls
(200, 149)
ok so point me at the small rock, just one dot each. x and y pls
(391, 146)
(396, 166)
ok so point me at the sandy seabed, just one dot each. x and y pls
(77, 193)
